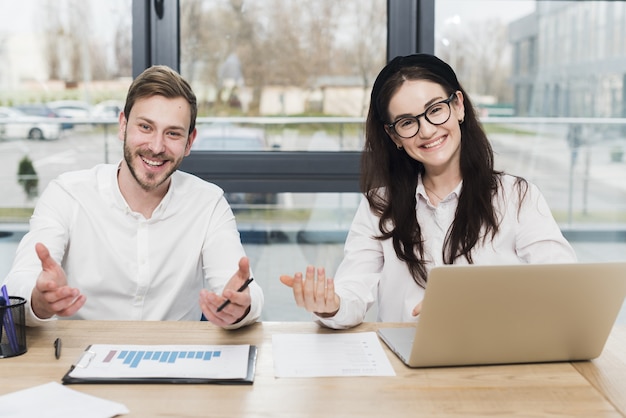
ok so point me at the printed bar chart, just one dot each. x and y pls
(133, 358)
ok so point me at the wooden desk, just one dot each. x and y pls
(584, 389)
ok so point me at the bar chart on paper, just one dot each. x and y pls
(133, 358)
(146, 361)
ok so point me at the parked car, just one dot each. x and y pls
(107, 112)
(44, 111)
(228, 137)
(15, 124)
(71, 109)
(108, 109)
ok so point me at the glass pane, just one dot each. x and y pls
(552, 115)
(66, 68)
(303, 229)
(549, 78)
(296, 75)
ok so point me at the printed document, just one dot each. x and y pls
(340, 354)
(185, 362)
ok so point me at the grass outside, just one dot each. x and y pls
(495, 128)
(591, 218)
(247, 215)
(15, 214)
(271, 215)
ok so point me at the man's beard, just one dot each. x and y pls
(151, 182)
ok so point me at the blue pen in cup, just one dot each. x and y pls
(2, 305)
(7, 320)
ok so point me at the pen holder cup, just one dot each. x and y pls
(13, 328)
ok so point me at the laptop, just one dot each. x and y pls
(526, 313)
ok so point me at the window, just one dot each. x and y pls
(283, 88)
(555, 116)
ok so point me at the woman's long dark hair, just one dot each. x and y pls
(384, 166)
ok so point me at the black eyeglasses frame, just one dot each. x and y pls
(447, 101)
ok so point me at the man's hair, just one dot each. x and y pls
(161, 80)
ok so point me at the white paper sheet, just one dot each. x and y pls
(342, 354)
(57, 401)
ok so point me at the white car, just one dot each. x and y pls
(70, 108)
(107, 110)
(227, 137)
(15, 124)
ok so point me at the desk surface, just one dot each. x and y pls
(583, 389)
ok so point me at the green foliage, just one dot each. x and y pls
(27, 177)
(494, 128)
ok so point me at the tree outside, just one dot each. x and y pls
(27, 177)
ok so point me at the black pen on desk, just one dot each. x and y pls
(241, 289)
(57, 348)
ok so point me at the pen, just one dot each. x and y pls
(9, 326)
(57, 348)
(2, 304)
(241, 289)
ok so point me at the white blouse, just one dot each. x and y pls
(371, 271)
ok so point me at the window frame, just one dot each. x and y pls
(156, 40)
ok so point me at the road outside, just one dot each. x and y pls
(76, 149)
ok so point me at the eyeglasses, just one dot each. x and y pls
(436, 114)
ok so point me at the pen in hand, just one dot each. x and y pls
(241, 289)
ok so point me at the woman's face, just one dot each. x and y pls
(436, 146)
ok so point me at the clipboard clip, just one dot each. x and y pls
(85, 359)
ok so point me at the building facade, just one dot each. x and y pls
(570, 60)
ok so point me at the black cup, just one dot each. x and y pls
(13, 327)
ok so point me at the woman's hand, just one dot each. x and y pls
(314, 293)
(417, 309)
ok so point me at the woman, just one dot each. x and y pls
(432, 198)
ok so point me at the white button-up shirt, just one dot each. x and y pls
(371, 271)
(130, 267)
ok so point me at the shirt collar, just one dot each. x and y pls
(121, 203)
(421, 190)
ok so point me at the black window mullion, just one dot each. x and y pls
(156, 34)
(276, 172)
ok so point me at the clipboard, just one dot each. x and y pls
(192, 364)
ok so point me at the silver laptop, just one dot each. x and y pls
(512, 314)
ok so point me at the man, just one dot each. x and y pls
(139, 240)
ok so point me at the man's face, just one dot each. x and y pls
(156, 139)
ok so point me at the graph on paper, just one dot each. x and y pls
(133, 358)
(175, 361)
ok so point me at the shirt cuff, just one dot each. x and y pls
(33, 320)
(341, 320)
